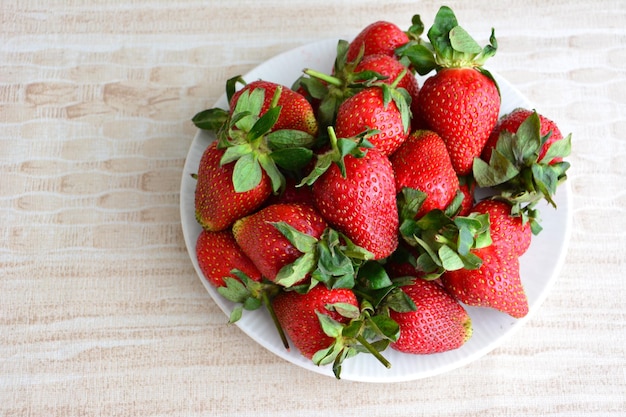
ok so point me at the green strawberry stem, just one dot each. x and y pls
(371, 349)
(268, 305)
(324, 77)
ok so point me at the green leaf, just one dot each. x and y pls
(301, 241)
(211, 119)
(247, 173)
(295, 272)
(450, 260)
(410, 200)
(444, 22)
(250, 102)
(289, 138)
(546, 181)
(461, 41)
(233, 290)
(421, 58)
(236, 314)
(233, 153)
(558, 149)
(265, 123)
(243, 121)
(498, 171)
(313, 86)
(529, 139)
(292, 159)
(277, 179)
(330, 326)
(399, 301)
(375, 275)
(345, 310)
(384, 326)
(231, 86)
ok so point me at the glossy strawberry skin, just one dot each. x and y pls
(512, 121)
(439, 324)
(366, 110)
(265, 245)
(296, 314)
(422, 162)
(496, 284)
(379, 37)
(296, 112)
(506, 231)
(462, 106)
(217, 204)
(362, 205)
(218, 254)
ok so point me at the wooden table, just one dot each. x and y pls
(101, 310)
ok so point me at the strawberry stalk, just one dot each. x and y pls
(268, 305)
(250, 295)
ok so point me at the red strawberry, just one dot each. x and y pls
(217, 203)
(267, 130)
(461, 102)
(297, 315)
(377, 38)
(368, 109)
(495, 284)
(439, 323)
(292, 194)
(422, 162)
(392, 68)
(507, 231)
(525, 166)
(296, 112)
(361, 205)
(462, 106)
(265, 245)
(512, 121)
(218, 254)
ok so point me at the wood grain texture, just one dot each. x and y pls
(101, 312)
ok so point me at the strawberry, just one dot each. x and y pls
(461, 101)
(350, 78)
(525, 166)
(297, 314)
(266, 245)
(296, 112)
(422, 162)
(438, 324)
(512, 121)
(328, 325)
(380, 37)
(506, 231)
(292, 194)
(218, 254)
(356, 195)
(269, 129)
(391, 68)
(495, 284)
(373, 108)
(217, 204)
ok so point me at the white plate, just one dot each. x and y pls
(539, 266)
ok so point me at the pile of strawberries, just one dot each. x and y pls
(347, 203)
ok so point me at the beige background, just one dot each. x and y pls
(101, 311)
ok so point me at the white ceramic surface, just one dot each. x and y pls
(540, 266)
